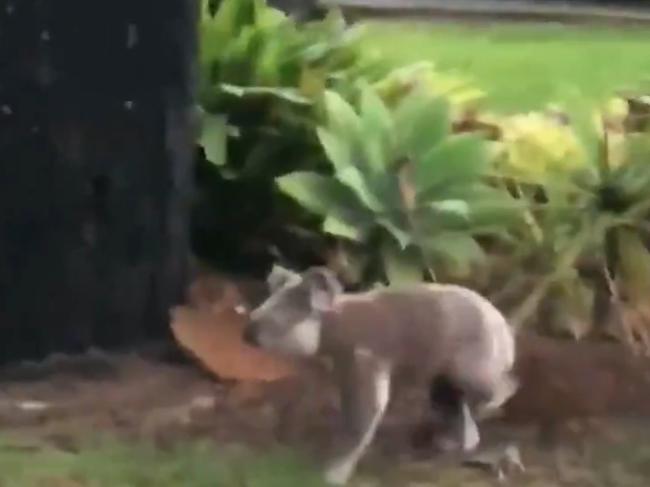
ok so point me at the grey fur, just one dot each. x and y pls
(424, 331)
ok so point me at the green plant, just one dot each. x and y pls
(461, 93)
(597, 209)
(260, 74)
(110, 462)
(261, 81)
(404, 184)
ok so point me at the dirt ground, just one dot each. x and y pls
(581, 416)
(170, 401)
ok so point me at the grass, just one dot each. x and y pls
(524, 67)
(117, 464)
(113, 463)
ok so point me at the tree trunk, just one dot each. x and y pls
(96, 135)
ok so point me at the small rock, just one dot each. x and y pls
(203, 402)
(33, 406)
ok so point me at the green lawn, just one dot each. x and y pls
(524, 66)
(118, 464)
(113, 463)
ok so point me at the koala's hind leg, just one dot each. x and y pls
(485, 389)
(457, 427)
(365, 392)
(503, 389)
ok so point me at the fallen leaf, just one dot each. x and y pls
(211, 330)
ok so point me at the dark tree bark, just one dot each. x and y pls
(96, 135)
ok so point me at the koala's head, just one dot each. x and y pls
(289, 321)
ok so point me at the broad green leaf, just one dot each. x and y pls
(375, 113)
(494, 215)
(339, 227)
(489, 206)
(421, 122)
(456, 250)
(317, 193)
(431, 221)
(342, 120)
(377, 130)
(401, 266)
(458, 208)
(337, 149)
(214, 137)
(375, 153)
(354, 179)
(401, 236)
(460, 159)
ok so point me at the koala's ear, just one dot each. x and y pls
(323, 287)
(279, 276)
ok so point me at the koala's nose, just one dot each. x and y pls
(249, 336)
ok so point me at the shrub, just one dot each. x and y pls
(596, 207)
(263, 77)
(402, 183)
(260, 74)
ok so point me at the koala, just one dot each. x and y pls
(447, 337)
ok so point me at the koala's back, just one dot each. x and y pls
(421, 327)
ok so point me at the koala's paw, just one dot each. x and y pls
(339, 473)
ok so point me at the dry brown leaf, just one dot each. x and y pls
(211, 330)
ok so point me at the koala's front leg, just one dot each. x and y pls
(365, 391)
